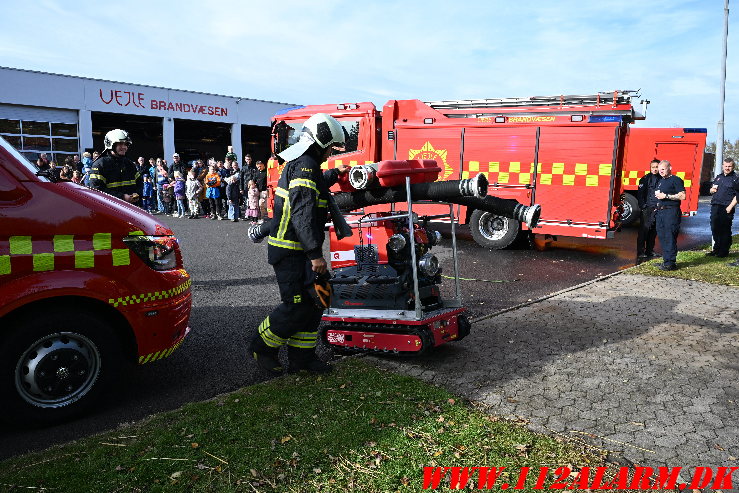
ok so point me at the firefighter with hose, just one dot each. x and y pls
(295, 250)
(115, 174)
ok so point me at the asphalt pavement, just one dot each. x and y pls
(234, 289)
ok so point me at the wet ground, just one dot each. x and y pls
(234, 289)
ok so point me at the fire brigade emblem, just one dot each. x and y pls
(428, 152)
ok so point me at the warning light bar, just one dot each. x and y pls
(605, 118)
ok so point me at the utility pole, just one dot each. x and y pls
(720, 138)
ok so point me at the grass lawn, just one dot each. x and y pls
(358, 429)
(695, 266)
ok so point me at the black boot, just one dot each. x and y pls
(265, 356)
(305, 360)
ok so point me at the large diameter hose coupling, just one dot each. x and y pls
(527, 214)
(363, 176)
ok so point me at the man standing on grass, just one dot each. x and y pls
(723, 204)
(670, 191)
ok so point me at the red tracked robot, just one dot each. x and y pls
(386, 282)
(386, 293)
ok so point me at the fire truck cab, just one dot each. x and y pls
(566, 153)
(88, 283)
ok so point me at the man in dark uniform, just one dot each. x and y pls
(295, 249)
(723, 203)
(648, 205)
(115, 174)
(670, 191)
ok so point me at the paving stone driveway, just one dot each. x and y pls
(643, 366)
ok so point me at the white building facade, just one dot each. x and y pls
(64, 115)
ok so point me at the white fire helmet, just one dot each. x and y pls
(321, 129)
(115, 136)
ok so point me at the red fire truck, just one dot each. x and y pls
(87, 283)
(566, 153)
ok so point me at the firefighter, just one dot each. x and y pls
(295, 250)
(724, 190)
(670, 191)
(114, 173)
(648, 206)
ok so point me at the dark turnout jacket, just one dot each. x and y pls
(300, 210)
(116, 176)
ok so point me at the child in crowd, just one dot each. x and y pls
(161, 179)
(167, 197)
(148, 193)
(192, 191)
(234, 197)
(179, 194)
(86, 167)
(213, 192)
(252, 202)
(77, 177)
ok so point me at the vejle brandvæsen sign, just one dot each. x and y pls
(139, 100)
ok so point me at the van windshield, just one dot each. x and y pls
(21, 158)
(288, 132)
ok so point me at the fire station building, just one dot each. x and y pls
(63, 115)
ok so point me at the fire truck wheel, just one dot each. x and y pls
(54, 366)
(493, 231)
(630, 207)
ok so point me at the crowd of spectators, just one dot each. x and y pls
(217, 189)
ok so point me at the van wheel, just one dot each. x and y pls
(492, 231)
(55, 366)
(630, 208)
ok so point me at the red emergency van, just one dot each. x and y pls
(88, 283)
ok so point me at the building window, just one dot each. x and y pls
(31, 138)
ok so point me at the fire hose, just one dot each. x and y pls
(471, 193)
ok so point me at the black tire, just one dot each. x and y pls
(493, 231)
(463, 327)
(54, 366)
(631, 210)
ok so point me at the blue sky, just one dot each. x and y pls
(343, 51)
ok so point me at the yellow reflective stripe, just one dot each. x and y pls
(269, 337)
(101, 241)
(322, 203)
(306, 336)
(84, 259)
(121, 257)
(43, 262)
(116, 184)
(284, 220)
(292, 245)
(21, 245)
(63, 246)
(98, 177)
(150, 296)
(63, 243)
(301, 344)
(281, 192)
(302, 182)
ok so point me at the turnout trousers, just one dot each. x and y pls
(721, 229)
(647, 232)
(668, 226)
(294, 322)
